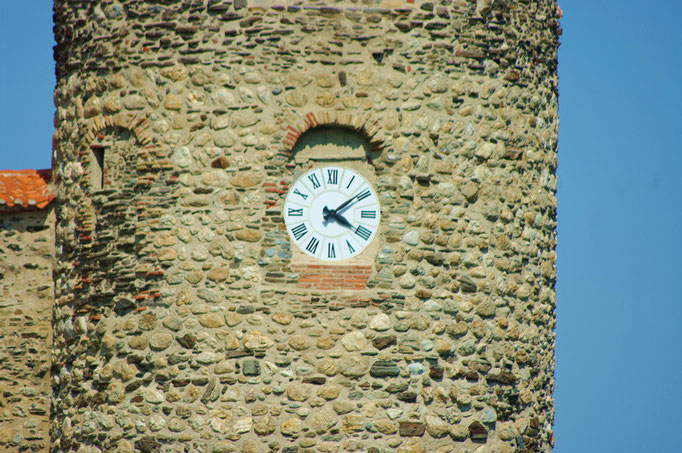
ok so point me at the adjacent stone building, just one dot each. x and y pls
(186, 315)
(26, 301)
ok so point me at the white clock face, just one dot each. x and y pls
(332, 213)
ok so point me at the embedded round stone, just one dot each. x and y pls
(212, 320)
(282, 318)
(385, 426)
(411, 429)
(436, 426)
(353, 366)
(380, 322)
(173, 102)
(329, 392)
(291, 426)
(355, 341)
(248, 235)
(322, 421)
(298, 392)
(138, 342)
(411, 238)
(255, 340)
(160, 341)
(299, 342)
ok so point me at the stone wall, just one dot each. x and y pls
(185, 318)
(26, 298)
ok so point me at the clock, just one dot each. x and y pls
(332, 213)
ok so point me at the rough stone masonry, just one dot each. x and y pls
(185, 320)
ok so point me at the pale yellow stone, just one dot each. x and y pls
(164, 238)
(93, 107)
(212, 320)
(232, 318)
(264, 425)
(137, 77)
(117, 81)
(254, 340)
(218, 274)
(194, 276)
(246, 179)
(224, 367)
(296, 99)
(326, 80)
(174, 73)
(298, 392)
(167, 254)
(325, 100)
(326, 342)
(112, 104)
(173, 102)
(355, 341)
(385, 426)
(322, 421)
(248, 235)
(290, 426)
(282, 318)
(299, 342)
(160, 341)
(329, 392)
(138, 342)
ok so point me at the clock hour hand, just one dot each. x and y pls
(341, 220)
(328, 214)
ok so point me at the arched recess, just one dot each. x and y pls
(108, 148)
(112, 235)
(317, 128)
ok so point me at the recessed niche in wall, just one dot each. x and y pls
(97, 166)
(111, 156)
(332, 142)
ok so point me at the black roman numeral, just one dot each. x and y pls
(350, 247)
(314, 180)
(332, 176)
(350, 182)
(299, 231)
(363, 232)
(297, 212)
(297, 192)
(312, 245)
(364, 195)
(331, 253)
(367, 214)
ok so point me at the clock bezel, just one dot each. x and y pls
(329, 241)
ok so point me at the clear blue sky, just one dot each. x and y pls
(619, 349)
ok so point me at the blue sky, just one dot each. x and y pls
(619, 353)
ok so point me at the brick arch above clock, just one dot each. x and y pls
(302, 130)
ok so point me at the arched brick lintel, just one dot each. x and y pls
(137, 125)
(295, 126)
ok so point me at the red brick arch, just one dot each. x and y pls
(295, 125)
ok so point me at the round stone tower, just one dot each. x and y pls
(298, 226)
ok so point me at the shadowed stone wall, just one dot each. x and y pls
(185, 320)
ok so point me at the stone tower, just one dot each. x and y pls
(190, 315)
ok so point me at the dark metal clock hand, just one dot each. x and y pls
(345, 203)
(342, 220)
(327, 213)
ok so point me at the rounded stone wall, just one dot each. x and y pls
(185, 317)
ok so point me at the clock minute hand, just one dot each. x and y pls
(345, 203)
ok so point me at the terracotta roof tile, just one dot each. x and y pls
(25, 188)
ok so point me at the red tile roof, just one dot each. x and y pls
(25, 188)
